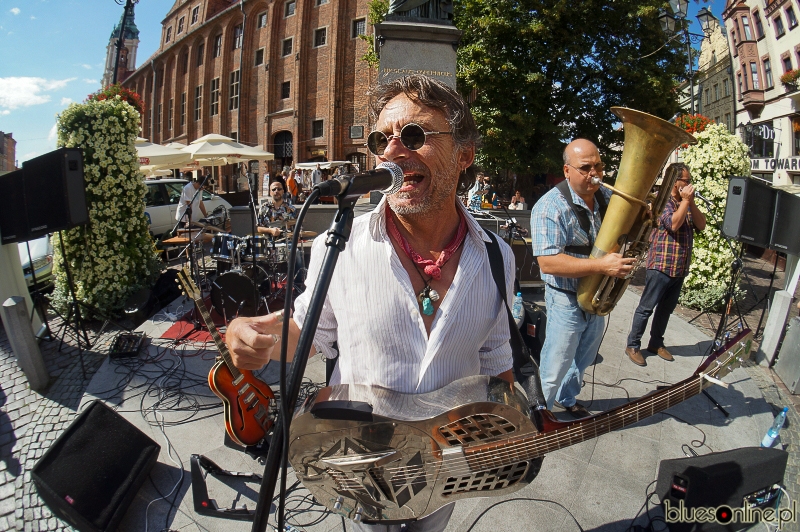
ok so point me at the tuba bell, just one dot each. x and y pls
(628, 222)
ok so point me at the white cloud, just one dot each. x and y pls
(91, 81)
(53, 134)
(66, 101)
(87, 67)
(29, 155)
(27, 91)
(33, 18)
(5, 112)
(14, 11)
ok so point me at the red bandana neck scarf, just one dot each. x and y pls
(432, 268)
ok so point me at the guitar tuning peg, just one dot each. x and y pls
(338, 504)
(358, 515)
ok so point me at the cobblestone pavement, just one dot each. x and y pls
(30, 422)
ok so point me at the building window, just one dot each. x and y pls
(159, 118)
(356, 132)
(285, 90)
(183, 109)
(746, 27)
(185, 63)
(761, 140)
(201, 49)
(320, 37)
(359, 27)
(170, 111)
(768, 74)
(316, 129)
(180, 25)
(744, 78)
(198, 103)
(739, 79)
(218, 45)
(169, 35)
(195, 14)
(237, 37)
(708, 96)
(320, 2)
(754, 75)
(790, 16)
(728, 121)
(733, 36)
(787, 63)
(286, 49)
(214, 97)
(262, 20)
(259, 56)
(233, 101)
(289, 8)
(359, 160)
(759, 25)
(779, 30)
(716, 92)
(726, 89)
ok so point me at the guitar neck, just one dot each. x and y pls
(197, 297)
(530, 447)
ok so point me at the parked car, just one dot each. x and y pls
(161, 203)
(42, 258)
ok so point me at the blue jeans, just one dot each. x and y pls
(660, 292)
(571, 344)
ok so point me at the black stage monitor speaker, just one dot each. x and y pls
(92, 472)
(785, 234)
(725, 479)
(55, 191)
(528, 272)
(749, 211)
(12, 209)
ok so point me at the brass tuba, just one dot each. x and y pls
(627, 224)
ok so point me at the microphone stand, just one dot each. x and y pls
(194, 270)
(251, 185)
(338, 234)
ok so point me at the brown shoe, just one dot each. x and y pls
(662, 352)
(577, 410)
(635, 355)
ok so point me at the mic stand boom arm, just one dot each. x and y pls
(336, 241)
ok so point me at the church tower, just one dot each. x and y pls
(127, 57)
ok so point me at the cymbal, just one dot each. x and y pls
(308, 234)
(282, 223)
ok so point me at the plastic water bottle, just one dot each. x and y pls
(775, 429)
(517, 309)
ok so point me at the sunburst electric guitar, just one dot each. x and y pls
(248, 400)
(373, 454)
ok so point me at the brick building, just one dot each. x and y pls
(8, 152)
(286, 76)
(764, 37)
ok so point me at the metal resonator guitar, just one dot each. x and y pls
(375, 455)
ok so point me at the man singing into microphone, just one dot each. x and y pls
(667, 265)
(412, 304)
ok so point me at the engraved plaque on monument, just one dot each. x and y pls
(418, 37)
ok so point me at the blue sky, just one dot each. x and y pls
(52, 53)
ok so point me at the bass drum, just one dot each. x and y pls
(232, 293)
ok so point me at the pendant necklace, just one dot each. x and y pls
(427, 295)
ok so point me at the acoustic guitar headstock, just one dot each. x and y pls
(187, 285)
(728, 356)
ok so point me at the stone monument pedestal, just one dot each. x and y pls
(413, 47)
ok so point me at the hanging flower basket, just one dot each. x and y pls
(791, 77)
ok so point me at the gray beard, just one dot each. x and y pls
(435, 198)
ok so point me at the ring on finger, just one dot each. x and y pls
(275, 339)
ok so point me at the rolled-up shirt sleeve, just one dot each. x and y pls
(326, 333)
(495, 354)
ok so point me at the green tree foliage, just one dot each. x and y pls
(542, 72)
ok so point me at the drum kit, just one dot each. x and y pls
(252, 272)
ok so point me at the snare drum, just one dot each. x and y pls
(223, 246)
(279, 253)
(258, 247)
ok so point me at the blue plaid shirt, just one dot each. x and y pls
(554, 226)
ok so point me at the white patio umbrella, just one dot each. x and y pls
(218, 150)
(155, 155)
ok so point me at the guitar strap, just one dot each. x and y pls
(583, 216)
(526, 371)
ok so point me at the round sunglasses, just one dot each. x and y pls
(411, 135)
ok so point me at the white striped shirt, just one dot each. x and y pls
(372, 312)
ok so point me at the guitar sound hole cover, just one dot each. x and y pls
(92, 472)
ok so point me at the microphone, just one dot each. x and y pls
(698, 195)
(386, 177)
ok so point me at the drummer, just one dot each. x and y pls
(277, 211)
